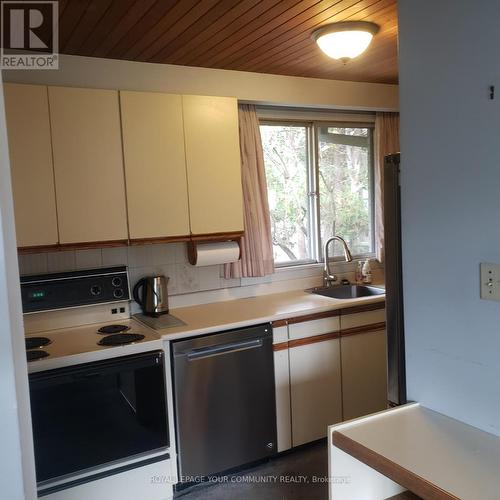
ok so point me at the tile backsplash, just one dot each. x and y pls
(187, 284)
(169, 259)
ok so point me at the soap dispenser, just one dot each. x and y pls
(367, 272)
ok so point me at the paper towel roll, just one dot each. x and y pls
(209, 254)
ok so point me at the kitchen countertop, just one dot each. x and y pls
(238, 313)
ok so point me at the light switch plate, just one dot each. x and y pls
(490, 281)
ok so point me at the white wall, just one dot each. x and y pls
(256, 87)
(450, 143)
(17, 474)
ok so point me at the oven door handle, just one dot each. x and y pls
(207, 352)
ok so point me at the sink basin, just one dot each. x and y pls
(347, 291)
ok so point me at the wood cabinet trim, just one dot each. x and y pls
(374, 306)
(160, 239)
(62, 247)
(374, 327)
(118, 243)
(234, 235)
(280, 346)
(336, 312)
(38, 249)
(93, 244)
(279, 323)
(390, 469)
(314, 316)
(371, 328)
(313, 340)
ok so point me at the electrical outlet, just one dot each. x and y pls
(490, 281)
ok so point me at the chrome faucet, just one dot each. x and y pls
(328, 277)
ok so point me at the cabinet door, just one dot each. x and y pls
(28, 128)
(355, 320)
(155, 164)
(364, 373)
(213, 164)
(88, 164)
(315, 327)
(316, 399)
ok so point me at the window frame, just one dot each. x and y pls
(312, 220)
(312, 126)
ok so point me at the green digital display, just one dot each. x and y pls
(37, 295)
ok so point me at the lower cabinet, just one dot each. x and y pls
(315, 389)
(364, 373)
(327, 369)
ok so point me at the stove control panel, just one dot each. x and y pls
(45, 292)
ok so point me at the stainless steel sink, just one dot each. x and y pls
(347, 291)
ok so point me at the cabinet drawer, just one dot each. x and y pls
(362, 318)
(280, 334)
(314, 327)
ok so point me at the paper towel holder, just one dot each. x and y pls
(199, 240)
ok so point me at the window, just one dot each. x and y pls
(319, 179)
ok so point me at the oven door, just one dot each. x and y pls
(93, 416)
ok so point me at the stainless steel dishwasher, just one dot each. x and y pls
(224, 400)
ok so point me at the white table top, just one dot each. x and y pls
(458, 458)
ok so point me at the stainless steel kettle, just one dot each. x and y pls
(151, 294)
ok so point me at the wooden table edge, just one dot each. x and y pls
(413, 482)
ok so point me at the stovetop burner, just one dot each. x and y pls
(36, 342)
(37, 354)
(110, 329)
(120, 339)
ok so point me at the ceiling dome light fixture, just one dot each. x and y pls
(345, 40)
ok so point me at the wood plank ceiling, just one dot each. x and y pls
(266, 36)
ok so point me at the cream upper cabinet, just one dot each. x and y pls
(213, 164)
(155, 164)
(364, 373)
(28, 128)
(88, 164)
(315, 389)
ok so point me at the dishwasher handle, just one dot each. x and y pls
(216, 350)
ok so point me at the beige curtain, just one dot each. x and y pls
(256, 245)
(386, 141)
